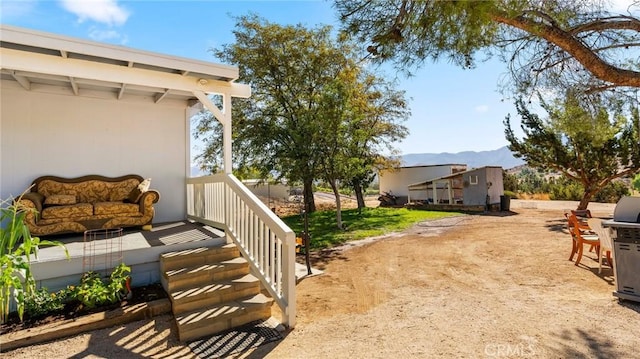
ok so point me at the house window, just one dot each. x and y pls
(473, 179)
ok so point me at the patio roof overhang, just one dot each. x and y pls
(33, 58)
(426, 184)
(37, 60)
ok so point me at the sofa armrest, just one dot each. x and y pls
(147, 200)
(31, 202)
(36, 198)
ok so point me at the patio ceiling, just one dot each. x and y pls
(37, 60)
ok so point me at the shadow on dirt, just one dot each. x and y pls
(557, 225)
(599, 345)
(496, 213)
(320, 259)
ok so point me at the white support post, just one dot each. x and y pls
(227, 141)
(435, 192)
(224, 117)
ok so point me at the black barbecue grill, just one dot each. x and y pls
(626, 247)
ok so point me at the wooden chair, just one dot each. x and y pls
(580, 237)
(583, 217)
(606, 244)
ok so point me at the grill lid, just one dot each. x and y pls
(627, 210)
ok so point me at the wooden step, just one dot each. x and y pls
(204, 274)
(197, 256)
(203, 296)
(221, 317)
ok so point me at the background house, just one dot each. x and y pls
(475, 187)
(267, 190)
(397, 181)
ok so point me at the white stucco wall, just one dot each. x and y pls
(276, 191)
(48, 131)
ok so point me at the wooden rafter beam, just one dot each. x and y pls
(160, 96)
(45, 64)
(74, 85)
(121, 92)
(23, 81)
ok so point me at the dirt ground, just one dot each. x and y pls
(474, 286)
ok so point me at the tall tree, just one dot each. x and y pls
(590, 149)
(546, 43)
(375, 126)
(304, 104)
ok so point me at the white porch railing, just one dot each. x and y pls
(222, 201)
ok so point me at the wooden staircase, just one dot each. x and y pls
(211, 290)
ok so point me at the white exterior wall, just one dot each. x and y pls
(397, 181)
(48, 131)
(268, 190)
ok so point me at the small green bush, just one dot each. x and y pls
(511, 194)
(41, 302)
(93, 291)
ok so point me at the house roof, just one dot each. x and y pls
(438, 165)
(36, 59)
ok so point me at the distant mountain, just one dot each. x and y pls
(501, 157)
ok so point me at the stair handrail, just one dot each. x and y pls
(221, 200)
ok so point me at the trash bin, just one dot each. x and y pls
(505, 203)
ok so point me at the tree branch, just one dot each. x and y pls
(611, 23)
(564, 40)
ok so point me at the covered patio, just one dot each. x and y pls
(71, 107)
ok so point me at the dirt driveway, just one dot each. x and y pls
(482, 286)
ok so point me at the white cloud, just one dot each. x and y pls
(102, 11)
(482, 108)
(107, 36)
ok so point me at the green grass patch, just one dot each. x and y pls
(370, 223)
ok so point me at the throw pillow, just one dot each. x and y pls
(134, 195)
(144, 185)
(60, 199)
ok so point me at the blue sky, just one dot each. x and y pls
(453, 110)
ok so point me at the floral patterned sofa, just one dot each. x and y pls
(66, 205)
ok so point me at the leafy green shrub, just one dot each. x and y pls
(612, 192)
(511, 194)
(42, 302)
(564, 189)
(94, 292)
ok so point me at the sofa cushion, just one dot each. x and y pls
(60, 199)
(70, 211)
(116, 208)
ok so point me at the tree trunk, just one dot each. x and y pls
(307, 192)
(357, 188)
(586, 198)
(336, 193)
